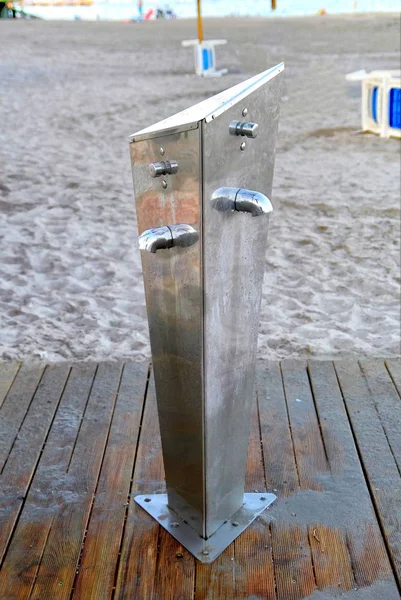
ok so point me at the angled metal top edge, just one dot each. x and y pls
(208, 109)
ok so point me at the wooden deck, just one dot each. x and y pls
(76, 444)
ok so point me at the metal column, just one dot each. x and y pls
(202, 183)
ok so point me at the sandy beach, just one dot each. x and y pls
(70, 95)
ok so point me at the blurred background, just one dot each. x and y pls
(71, 92)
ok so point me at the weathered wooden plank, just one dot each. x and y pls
(137, 566)
(292, 561)
(29, 538)
(8, 372)
(293, 568)
(311, 460)
(96, 575)
(387, 403)
(15, 406)
(254, 572)
(23, 458)
(308, 444)
(58, 565)
(216, 581)
(331, 558)
(278, 450)
(348, 503)
(394, 368)
(175, 571)
(378, 461)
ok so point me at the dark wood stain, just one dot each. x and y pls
(77, 444)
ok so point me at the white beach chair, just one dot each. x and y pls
(205, 56)
(381, 101)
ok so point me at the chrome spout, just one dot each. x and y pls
(237, 199)
(168, 236)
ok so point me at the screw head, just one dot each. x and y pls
(244, 112)
(164, 184)
(146, 499)
(235, 523)
(242, 146)
(262, 498)
(205, 553)
(175, 524)
(162, 150)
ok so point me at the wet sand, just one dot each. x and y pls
(71, 93)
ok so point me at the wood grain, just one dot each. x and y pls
(377, 459)
(254, 570)
(24, 455)
(95, 579)
(278, 449)
(79, 444)
(292, 557)
(361, 539)
(60, 557)
(15, 406)
(394, 368)
(387, 403)
(139, 549)
(42, 501)
(8, 372)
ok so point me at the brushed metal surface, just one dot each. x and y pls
(163, 238)
(206, 551)
(203, 300)
(172, 279)
(230, 199)
(208, 109)
(234, 247)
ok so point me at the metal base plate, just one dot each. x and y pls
(205, 550)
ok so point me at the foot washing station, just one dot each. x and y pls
(202, 183)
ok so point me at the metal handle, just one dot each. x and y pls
(169, 236)
(237, 199)
(168, 167)
(250, 130)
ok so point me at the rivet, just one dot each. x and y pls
(164, 184)
(244, 112)
(235, 523)
(162, 150)
(146, 499)
(175, 524)
(205, 553)
(262, 498)
(242, 146)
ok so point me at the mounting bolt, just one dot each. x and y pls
(205, 553)
(164, 184)
(242, 146)
(146, 499)
(262, 498)
(175, 524)
(244, 112)
(235, 523)
(162, 150)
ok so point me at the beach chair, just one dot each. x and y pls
(205, 56)
(381, 101)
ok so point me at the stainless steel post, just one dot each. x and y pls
(202, 183)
